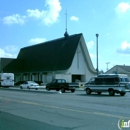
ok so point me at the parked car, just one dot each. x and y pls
(111, 83)
(61, 84)
(29, 85)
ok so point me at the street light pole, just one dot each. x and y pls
(107, 65)
(97, 52)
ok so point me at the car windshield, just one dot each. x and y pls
(31, 82)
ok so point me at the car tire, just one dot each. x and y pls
(36, 88)
(21, 87)
(88, 91)
(99, 93)
(63, 90)
(47, 88)
(72, 90)
(122, 94)
(28, 87)
(111, 92)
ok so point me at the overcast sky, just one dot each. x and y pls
(24, 23)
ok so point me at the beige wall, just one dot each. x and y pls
(118, 70)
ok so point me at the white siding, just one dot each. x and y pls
(78, 64)
(118, 70)
(67, 77)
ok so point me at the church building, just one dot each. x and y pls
(64, 58)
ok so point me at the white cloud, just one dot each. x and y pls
(11, 48)
(92, 55)
(35, 13)
(5, 55)
(74, 18)
(48, 16)
(122, 7)
(90, 44)
(37, 40)
(125, 45)
(125, 48)
(53, 11)
(14, 19)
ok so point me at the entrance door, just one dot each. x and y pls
(76, 78)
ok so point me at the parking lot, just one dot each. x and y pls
(72, 111)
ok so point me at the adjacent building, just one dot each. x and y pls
(120, 69)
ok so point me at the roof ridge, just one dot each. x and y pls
(70, 36)
(124, 67)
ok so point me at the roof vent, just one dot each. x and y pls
(66, 34)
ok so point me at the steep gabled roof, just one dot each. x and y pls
(53, 55)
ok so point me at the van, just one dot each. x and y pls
(6, 79)
(111, 83)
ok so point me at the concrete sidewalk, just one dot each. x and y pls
(44, 87)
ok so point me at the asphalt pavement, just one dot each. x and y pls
(13, 122)
(51, 110)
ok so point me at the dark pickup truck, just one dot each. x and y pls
(61, 84)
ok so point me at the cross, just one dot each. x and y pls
(66, 19)
(78, 52)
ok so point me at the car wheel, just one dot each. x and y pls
(21, 87)
(88, 91)
(122, 94)
(36, 88)
(99, 93)
(73, 90)
(47, 88)
(62, 90)
(28, 87)
(111, 92)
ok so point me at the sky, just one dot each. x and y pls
(28, 22)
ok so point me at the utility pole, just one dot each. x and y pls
(107, 65)
(97, 51)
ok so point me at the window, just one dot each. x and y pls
(59, 80)
(54, 81)
(121, 80)
(8, 77)
(110, 80)
(92, 81)
(63, 81)
(25, 82)
(126, 80)
(99, 80)
(117, 80)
